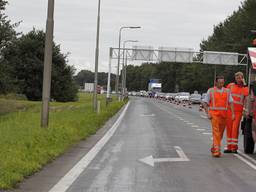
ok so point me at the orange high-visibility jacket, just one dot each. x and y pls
(238, 93)
(219, 102)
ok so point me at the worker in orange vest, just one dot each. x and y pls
(216, 105)
(239, 92)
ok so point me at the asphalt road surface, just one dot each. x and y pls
(159, 147)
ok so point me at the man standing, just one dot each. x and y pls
(239, 92)
(216, 105)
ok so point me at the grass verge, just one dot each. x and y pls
(25, 147)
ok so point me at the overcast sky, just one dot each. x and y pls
(169, 23)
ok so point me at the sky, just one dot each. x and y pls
(165, 23)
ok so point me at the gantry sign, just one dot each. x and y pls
(180, 55)
(174, 55)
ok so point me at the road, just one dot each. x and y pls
(154, 146)
(179, 141)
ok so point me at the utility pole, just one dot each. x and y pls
(95, 98)
(46, 95)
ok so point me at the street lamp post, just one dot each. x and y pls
(119, 52)
(95, 102)
(46, 95)
(109, 76)
(124, 65)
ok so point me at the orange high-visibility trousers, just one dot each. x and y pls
(218, 127)
(233, 130)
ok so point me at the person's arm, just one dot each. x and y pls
(231, 103)
(206, 102)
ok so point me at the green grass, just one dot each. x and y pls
(25, 147)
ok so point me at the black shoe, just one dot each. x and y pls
(228, 151)
(234, 151)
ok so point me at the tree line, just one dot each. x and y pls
(21, 64)
(231, 35)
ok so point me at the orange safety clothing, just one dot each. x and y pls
(218, 107)
(239, 93)
(218, 127)
(219, 101)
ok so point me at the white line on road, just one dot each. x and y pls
(204, 117)
(245, 161)
(148, 115)
(190, 123)
(195, 126)
(200, 129)
(66, 181)
(207, 133)
(247, 156)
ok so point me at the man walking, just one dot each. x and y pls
(216, 105)
(239, 92)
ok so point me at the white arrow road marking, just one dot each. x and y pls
(151, 161)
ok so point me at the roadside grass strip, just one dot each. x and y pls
(26, 148)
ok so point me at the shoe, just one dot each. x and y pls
(228, 151)
(234, 151)
(216, 155)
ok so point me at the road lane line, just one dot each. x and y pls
(245, 161)
(200, 129)
(207, 133)
(195, 126)
(66, 181)
(247, 156)
(203, 116)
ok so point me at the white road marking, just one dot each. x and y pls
(151, 161)
(245, 161)
(190, 123)
(195, 126)
(148, 115)
(204, 117)
(66, 181)
(247, 156)
(207, 133)
(200, 129)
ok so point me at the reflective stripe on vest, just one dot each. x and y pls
(213, 107)
(241, 97)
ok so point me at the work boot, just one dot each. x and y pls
(234, 151)
(228, 151)
(216, 154)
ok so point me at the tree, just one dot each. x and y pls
(26, 56)
(86, 76)
(7, 35)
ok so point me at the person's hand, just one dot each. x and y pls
(233, 116)
(244, 83)
(209, 116)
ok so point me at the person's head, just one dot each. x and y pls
(239, 77)
(219, 81)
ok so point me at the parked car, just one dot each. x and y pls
(203, 96)
(182, 96)
(195, 98)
